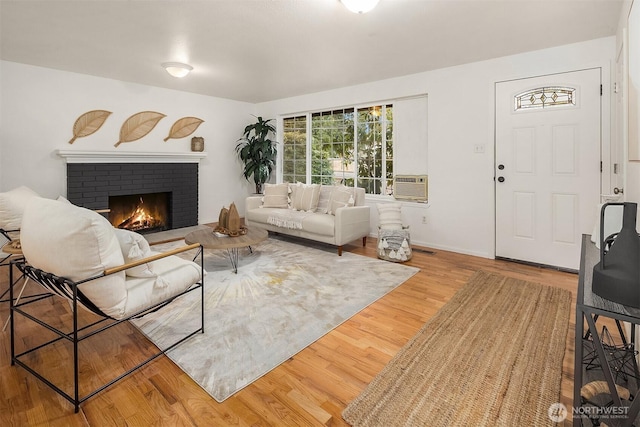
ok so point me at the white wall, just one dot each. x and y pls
(39, 107)
(460, 216)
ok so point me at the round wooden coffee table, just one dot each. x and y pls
(210, 240)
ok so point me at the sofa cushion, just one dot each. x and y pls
(179, 274)
(78, 244)
(261, 215)
(276, 196)
(12, 205)
(341, 197)
(319, 224)
(305, 197)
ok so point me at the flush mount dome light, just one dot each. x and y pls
(177, 69)
(360, 6)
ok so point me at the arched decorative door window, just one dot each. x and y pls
(545, 97)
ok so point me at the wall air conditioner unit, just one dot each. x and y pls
(410, 187)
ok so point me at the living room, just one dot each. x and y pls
(40, 118)
(40, 104)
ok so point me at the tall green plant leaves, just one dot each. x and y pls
(257, 151)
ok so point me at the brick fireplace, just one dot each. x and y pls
(95, 182)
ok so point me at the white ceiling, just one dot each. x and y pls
(260, 50)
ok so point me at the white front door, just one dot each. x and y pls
(547, 166)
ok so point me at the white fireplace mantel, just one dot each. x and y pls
(77, 156)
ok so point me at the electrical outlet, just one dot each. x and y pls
(424, 219)
(478, 148)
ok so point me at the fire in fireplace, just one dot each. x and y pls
(140, 212)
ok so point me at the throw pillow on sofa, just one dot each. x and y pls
(341, 197)
(324, 198)
(276, 196)
(305, 197)
(12, 204)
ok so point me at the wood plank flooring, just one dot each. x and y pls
(309, 389)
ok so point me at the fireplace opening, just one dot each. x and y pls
(142, 213)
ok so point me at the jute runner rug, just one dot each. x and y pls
(492, 356)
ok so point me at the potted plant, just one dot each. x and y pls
(258, 152)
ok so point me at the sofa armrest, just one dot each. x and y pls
(351, 223)
(253, 202)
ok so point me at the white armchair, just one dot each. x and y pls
(76, 254)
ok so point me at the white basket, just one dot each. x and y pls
(394, 245)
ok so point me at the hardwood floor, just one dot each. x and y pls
(311, 388)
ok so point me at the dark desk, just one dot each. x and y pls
(589, 307)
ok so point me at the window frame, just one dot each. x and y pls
(309, 142)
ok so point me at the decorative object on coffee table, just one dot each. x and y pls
(138, 125)
(223, 219)
(89, 123)
(258, 152)
(183, 128)
(229, 222)
(233, 221)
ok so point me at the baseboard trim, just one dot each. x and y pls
(535, 264)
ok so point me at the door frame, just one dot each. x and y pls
(606, 114)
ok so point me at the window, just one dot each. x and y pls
(350, 146)
(545, 97)
(294, 163)
(375, 149)
(332, 147)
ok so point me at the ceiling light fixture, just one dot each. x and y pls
(360, 6)
(177, 69)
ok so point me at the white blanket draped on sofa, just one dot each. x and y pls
(288, 218)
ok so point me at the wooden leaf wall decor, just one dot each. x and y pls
(138, 125)
(89, 123)
(184, 127)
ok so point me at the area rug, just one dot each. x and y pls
(492, 356)
(284, 297)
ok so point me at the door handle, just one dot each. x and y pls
(617, 190)
(501, 179)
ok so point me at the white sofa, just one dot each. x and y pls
(326, 221)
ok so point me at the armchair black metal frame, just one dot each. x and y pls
(5, 239)
(68, 289)
(5, 261)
